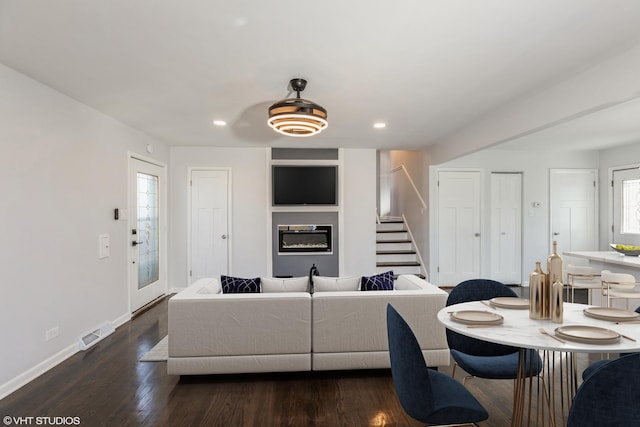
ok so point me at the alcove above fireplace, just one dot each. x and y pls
(308, 238)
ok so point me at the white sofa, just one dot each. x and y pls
(215, 333)
(350, 327)
(278, 331)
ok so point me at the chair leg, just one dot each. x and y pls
(453, 374)
(464, 380)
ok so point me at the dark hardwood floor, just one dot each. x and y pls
(108, 386)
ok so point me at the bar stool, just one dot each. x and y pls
(618, 286)
(582, 277)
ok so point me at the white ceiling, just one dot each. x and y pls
(609, 127)
(426, 67)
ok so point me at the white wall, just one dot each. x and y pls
(535, 166)
(250, 214)
(359, 212)
(63, 169)
(405, 200)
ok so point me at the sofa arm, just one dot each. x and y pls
(201, 288)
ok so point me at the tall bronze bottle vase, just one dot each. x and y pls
(554, 266)
(539, 294)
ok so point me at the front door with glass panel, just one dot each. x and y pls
(146, 232)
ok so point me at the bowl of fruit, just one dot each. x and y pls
(630, 250)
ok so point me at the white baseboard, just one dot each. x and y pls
(121, 320)
(33, 373)
(49, 363)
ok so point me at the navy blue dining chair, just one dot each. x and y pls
(479, 358)
(609, 396)
(427, 395)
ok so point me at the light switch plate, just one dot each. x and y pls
(104, 242)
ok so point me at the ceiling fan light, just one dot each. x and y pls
(297, 117)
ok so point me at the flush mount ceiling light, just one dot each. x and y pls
(297, 116)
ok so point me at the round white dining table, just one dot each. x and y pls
(519, 330)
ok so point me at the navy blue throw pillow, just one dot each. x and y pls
(379, 282)
(238, 285)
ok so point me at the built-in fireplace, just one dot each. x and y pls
(299, 239)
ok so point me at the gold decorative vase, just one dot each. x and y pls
(554, 266)
(539, 294)
(556, 302)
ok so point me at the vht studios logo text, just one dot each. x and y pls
(41, 421)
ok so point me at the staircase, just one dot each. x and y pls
(395, 250)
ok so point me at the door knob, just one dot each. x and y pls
(134, 243)
(477, 234)
(224, 236)
(556, 233)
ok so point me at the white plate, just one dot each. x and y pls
(510, 302)
(611, 314)
(476, 317)
(588, 334)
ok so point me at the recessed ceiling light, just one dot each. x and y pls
(219, 123)
(379, 125)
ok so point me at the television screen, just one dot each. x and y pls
(305, 185)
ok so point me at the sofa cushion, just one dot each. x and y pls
(332, 284)
(292, 284)
(379, 282)
(238, 285)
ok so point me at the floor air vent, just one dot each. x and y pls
(93, 337)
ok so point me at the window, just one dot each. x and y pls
(148, 262)
(630, 209)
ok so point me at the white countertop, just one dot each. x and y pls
(607, 257)
(519, 330)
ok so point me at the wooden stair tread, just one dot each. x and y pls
(391, 231)
(398, 264)
(407, 252)
(393, 241)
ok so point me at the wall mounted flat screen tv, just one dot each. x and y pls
(305, 185)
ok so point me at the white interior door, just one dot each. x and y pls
(147, 235)
(506, 227)
(626, 206)
(458, 226)
(574, 209)
(209, 223)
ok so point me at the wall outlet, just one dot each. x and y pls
(51, 334)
